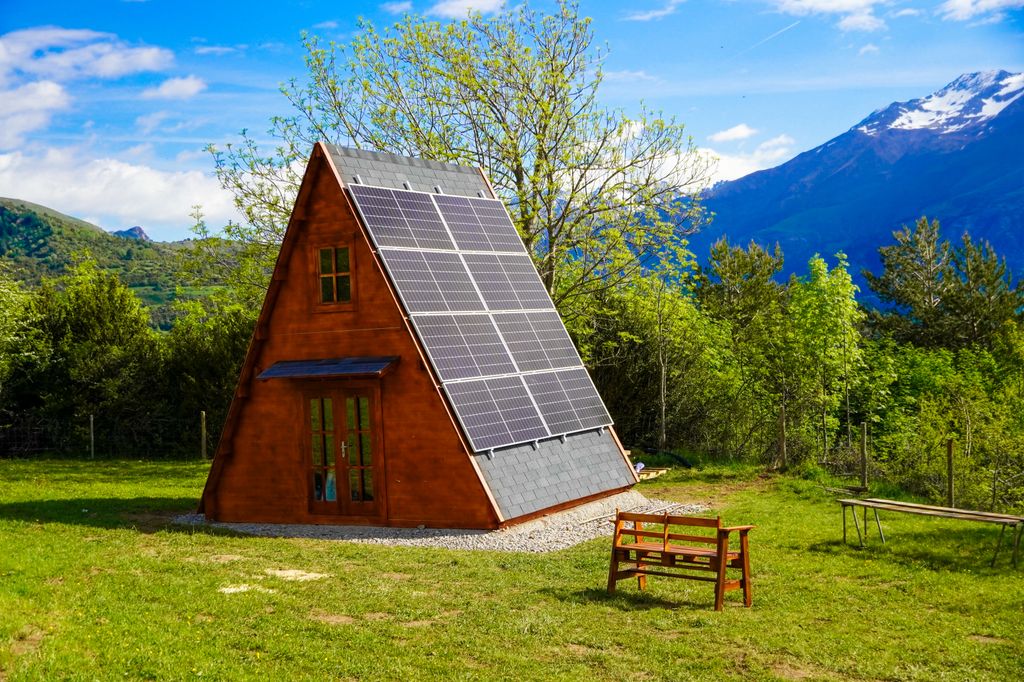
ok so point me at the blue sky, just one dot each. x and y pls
(106, 105)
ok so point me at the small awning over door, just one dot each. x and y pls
(330, 367)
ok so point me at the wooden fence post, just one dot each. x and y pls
(202, 428)
(782, 434)
(949, 473)
(864, 455)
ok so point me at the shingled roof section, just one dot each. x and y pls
(389, 170)
(524, 480)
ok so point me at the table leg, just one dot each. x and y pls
(844, 524)
(879, 524)
(856, 524)
(1016, 544)
(999, 543)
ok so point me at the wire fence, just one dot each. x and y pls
(100, 437)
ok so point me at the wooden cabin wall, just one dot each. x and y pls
(429, 478)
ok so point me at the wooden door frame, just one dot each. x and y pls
(338, 390)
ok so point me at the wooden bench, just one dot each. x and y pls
(1015, 523)
(654, 545)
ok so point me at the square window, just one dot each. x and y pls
(335, 272)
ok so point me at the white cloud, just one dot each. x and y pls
(861, 21)
(855, 15)
(907, 12)
(627, 75)
(117, 193)
(870, 48)
(150, 122)
(457, 9)
(649, 15)
(176, 88)
(27, 108)
(326, 25)
(768, 154)
(737, 132)
(396, 7)
(60, 54)
(964, 10)
(216, 50)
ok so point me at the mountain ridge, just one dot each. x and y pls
(952, 162)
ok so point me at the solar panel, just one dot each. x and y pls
(401, 219)
(537, 340)
(479, 224)
(508, 282)
(462, 222)
(568, 400)
(497, 226)
(482, 314)
(431, 281)
(495, 412)
(463, 346)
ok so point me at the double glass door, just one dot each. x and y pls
(342, 453)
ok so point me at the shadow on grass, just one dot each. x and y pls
(146, 514)
(624, 600)
(963, 550)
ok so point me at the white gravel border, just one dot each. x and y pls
(545, 534)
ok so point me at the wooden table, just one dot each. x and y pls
(1016, 523)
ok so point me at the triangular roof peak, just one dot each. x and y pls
(360, 166)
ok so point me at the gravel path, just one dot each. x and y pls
(546, 534)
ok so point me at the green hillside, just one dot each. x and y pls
(39, 242)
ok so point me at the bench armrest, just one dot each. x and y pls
(741, 529)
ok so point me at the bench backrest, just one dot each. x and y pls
(660, 528)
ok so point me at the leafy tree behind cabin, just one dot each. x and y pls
(592, 192)
(86, 348)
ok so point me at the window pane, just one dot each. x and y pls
(329, 447)
(318, 449)
(364, 414)
(366, 449)
(353, 449)
(327, 289)
(350, 414)
(314, 414)
(344, 288)
(326, 266)
(332, 487)
(318, 486)
(367, 485)
(328, 414)
(342, 260)
(353, 485)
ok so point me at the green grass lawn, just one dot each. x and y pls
(95, 585)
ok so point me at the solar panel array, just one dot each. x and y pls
(482, 314)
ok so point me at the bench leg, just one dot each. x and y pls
(748, 597)
(613, 569)
(641, 579)
(999, 544)
(879, 524)
(844, 524)
(723, 552)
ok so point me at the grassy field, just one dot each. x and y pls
(95, 585)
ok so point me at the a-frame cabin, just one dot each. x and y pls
(407, 367)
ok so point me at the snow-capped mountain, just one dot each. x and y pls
(969, 102)
(956, 155)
